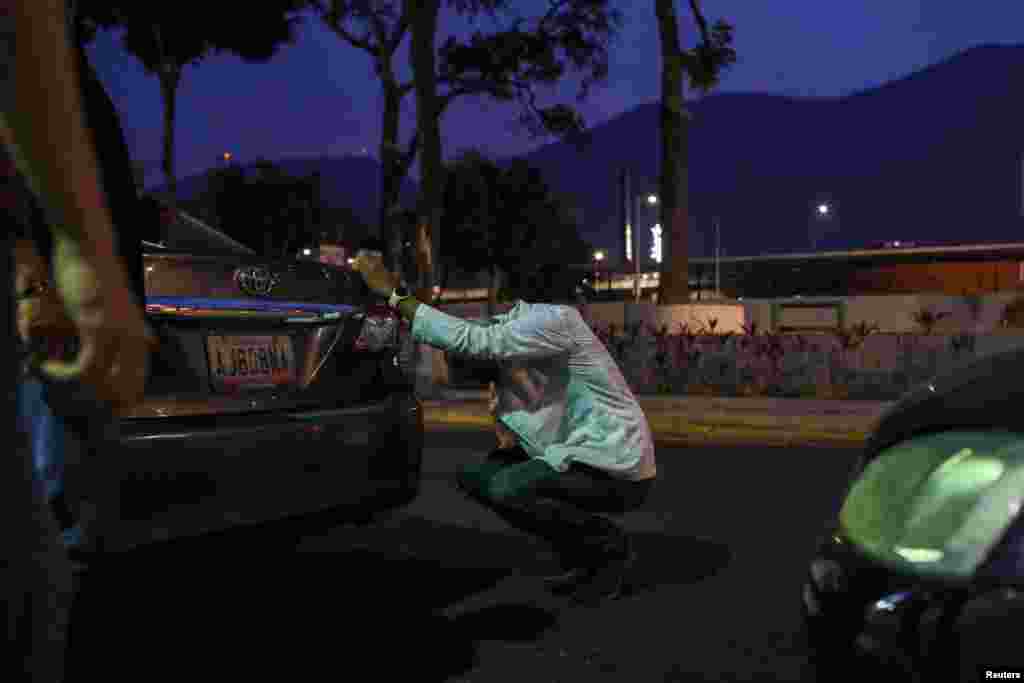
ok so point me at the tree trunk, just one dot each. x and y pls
(424, 14)
(674, 180)
(170, 78)
(390, 169)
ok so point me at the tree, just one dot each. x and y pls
(506, 221)
(572, 35)
(379, 27)
(471, 217)
(703, 66)
(166, 37)
(266, 209)
(423, 15)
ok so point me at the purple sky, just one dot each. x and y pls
(319, 96)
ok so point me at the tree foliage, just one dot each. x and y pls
(507, 219)
(713, 54)
(572, 37)
(268, 209)
(186, 31)
(507, 64)
(166, 37)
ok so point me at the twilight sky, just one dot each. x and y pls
(319, 96)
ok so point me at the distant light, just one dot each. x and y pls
(652, 199)
(896, 243)
(351, 261)
(598, 255)
(149, 269)
(656, 245)
(227, 156)
(307, 252)
(823, 209)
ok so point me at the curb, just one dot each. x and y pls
(681, 429)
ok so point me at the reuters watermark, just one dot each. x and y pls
(1001, 674)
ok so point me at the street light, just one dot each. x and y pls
(652, 199)
(823, 214)
(598, 257)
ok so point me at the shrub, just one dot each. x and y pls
(1013, 313)
(927, 319)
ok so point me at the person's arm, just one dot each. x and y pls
(41, 123)
(538, 334)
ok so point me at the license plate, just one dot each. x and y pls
(250, 362)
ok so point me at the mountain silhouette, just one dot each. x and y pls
(935, 156)
(932, 157)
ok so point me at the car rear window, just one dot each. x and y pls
(937, 504)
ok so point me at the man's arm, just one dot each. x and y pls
(538, 334)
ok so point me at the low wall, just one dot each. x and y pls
(730, 316)
(895, 313)
(885, 365)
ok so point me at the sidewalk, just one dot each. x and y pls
(681, 420)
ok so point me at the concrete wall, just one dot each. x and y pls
(894, 313)
(730, 316)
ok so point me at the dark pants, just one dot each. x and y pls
(566, 509)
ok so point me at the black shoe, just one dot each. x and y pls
(566, 582)
(604, 583)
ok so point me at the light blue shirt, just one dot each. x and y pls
(575, 405)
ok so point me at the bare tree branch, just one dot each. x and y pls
(554, 6)
(702, 22)
(380, 29)
(401, 28)
(332, 22)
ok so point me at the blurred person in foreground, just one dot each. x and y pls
(44, 330)
(45, 144)
(574, 443)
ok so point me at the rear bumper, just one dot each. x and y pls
(172, 478)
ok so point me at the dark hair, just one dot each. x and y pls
(555, 286)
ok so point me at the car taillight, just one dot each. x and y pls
(381, 330)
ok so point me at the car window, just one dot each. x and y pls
(190, 235)
(937, 504)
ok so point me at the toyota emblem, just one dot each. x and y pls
(256, 280)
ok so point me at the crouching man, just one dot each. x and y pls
(575, 445)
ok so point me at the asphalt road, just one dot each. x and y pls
(445, 591)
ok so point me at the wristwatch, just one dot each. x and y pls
(400, 293)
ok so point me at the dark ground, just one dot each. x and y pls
(444, 591)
